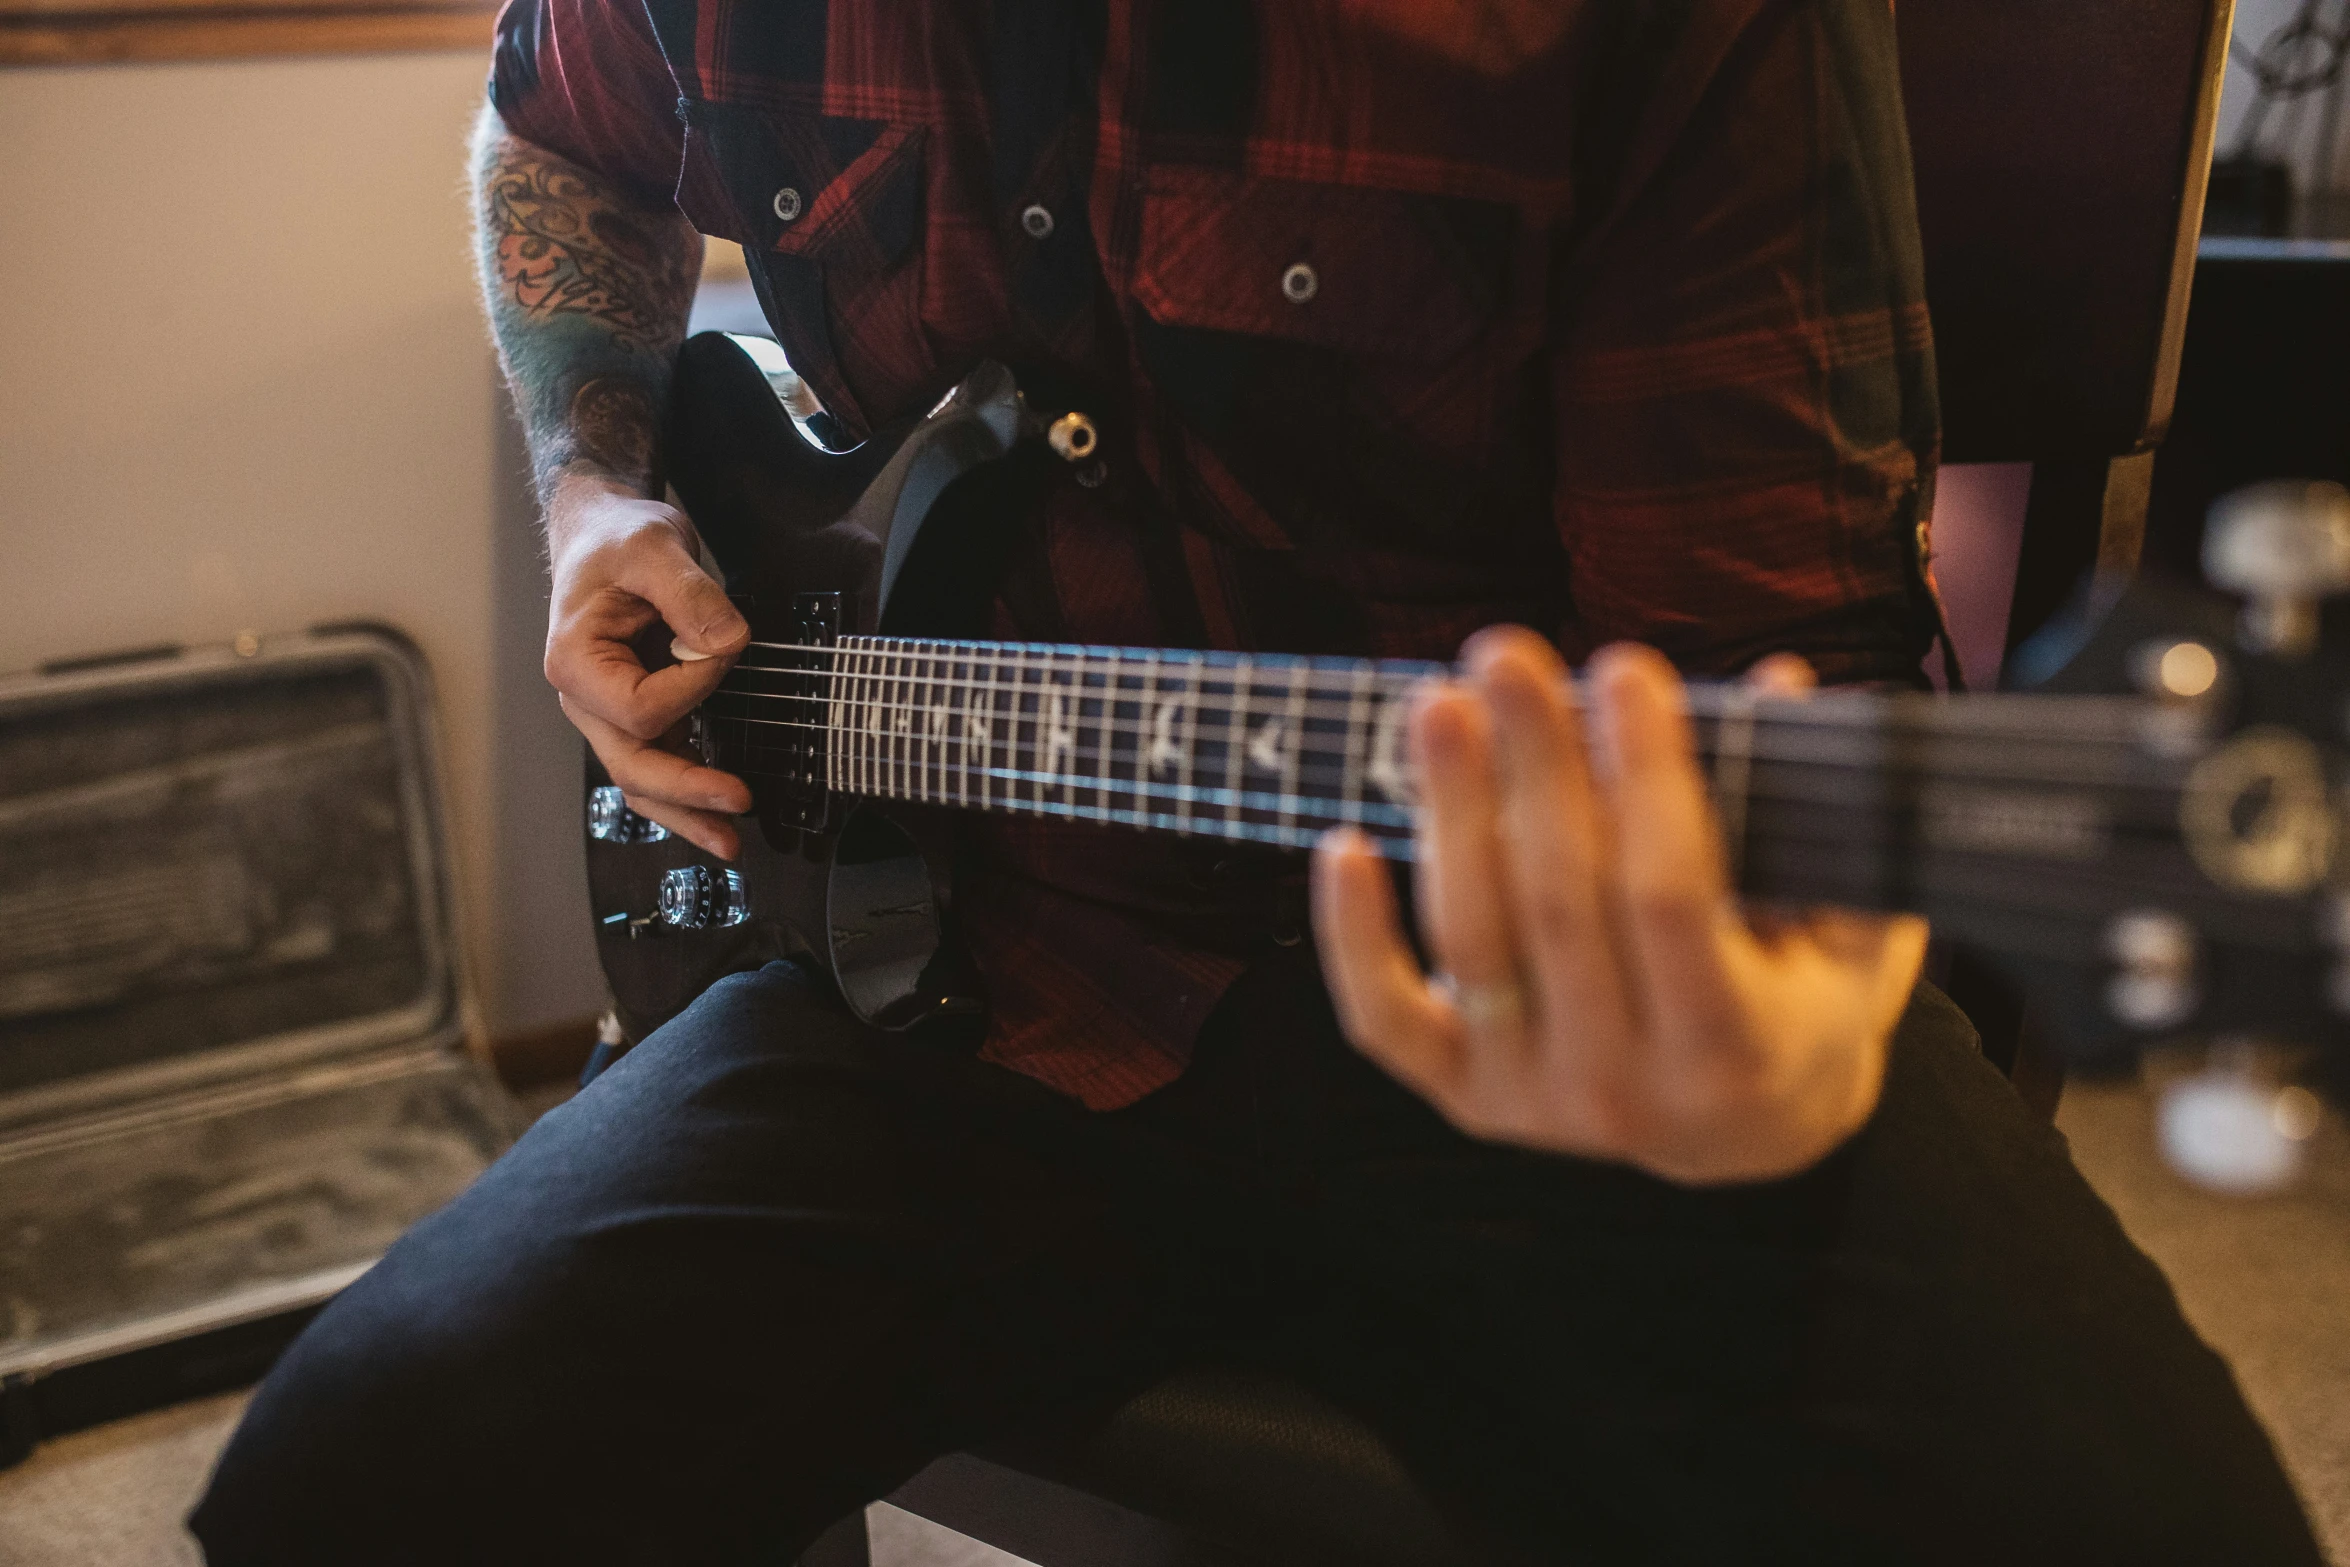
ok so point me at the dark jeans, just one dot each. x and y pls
(771, 1263)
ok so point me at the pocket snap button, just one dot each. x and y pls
(1300, 283)
(787, 203)
(1038, 222)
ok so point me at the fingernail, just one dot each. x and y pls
(686, 655)
(1342, 840)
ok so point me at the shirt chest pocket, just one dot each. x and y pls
(829, 212)
(1405, 297)
(1335, 340)
(1382, 272)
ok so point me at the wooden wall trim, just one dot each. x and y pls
(174, 33)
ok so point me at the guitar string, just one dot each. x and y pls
(2119, 764)
(940, 774)
(1709, 699)
(934, 762)
(1780, 718)
(2079, 721)
(1824, 880)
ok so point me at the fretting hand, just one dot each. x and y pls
(1601, 992)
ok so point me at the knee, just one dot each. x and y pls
(405, 1411)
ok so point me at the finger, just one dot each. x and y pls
(705, 830)
(684, 796)
(592, 658)
(1783, 674)
(688, 599)
(1551, 821)
(1669, 870)
(1462, 905)
(1383, 1002)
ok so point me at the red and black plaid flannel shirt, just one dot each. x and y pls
(1625, 338)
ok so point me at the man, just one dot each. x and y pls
(1704, 1240)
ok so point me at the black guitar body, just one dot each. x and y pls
(899, 536)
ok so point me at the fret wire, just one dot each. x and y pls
(1107, 729)
(1358, 742)
(1056, 705)
(1076, 725)
(1071, 722)
(893, 723)
(1146, 721)
(935, 767)
(995, 723)
(917, 759)
(1016, 697)
(1236, 727)
(880, 720)
(963, 754)
(876, 715)
(1008, 663)
(1189, 749)
(912, 729)
(1294, 724)
(900, 753)
(1024, 755)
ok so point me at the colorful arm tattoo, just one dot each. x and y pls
(587, 289)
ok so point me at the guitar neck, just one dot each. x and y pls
(1865, 800)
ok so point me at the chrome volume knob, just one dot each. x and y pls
(695, 897)
(611, 821)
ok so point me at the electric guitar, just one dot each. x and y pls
(2150, 841)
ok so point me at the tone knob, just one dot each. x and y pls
(2284, 545)
(611, 821)
(695, 897)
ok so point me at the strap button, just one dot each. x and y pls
(1300, 283)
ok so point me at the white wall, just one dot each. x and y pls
(244, 384)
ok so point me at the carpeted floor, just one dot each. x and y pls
(2267, 1281)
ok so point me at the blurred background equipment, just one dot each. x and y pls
(233, 1064)
(2281, 164)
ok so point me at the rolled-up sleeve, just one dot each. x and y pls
(587, 80)
(1744, 385)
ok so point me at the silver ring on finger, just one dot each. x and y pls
(1495, 1004)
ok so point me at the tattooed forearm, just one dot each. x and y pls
(588, 289)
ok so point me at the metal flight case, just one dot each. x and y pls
(233, 1062)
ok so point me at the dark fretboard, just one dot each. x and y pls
(1850, 798)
